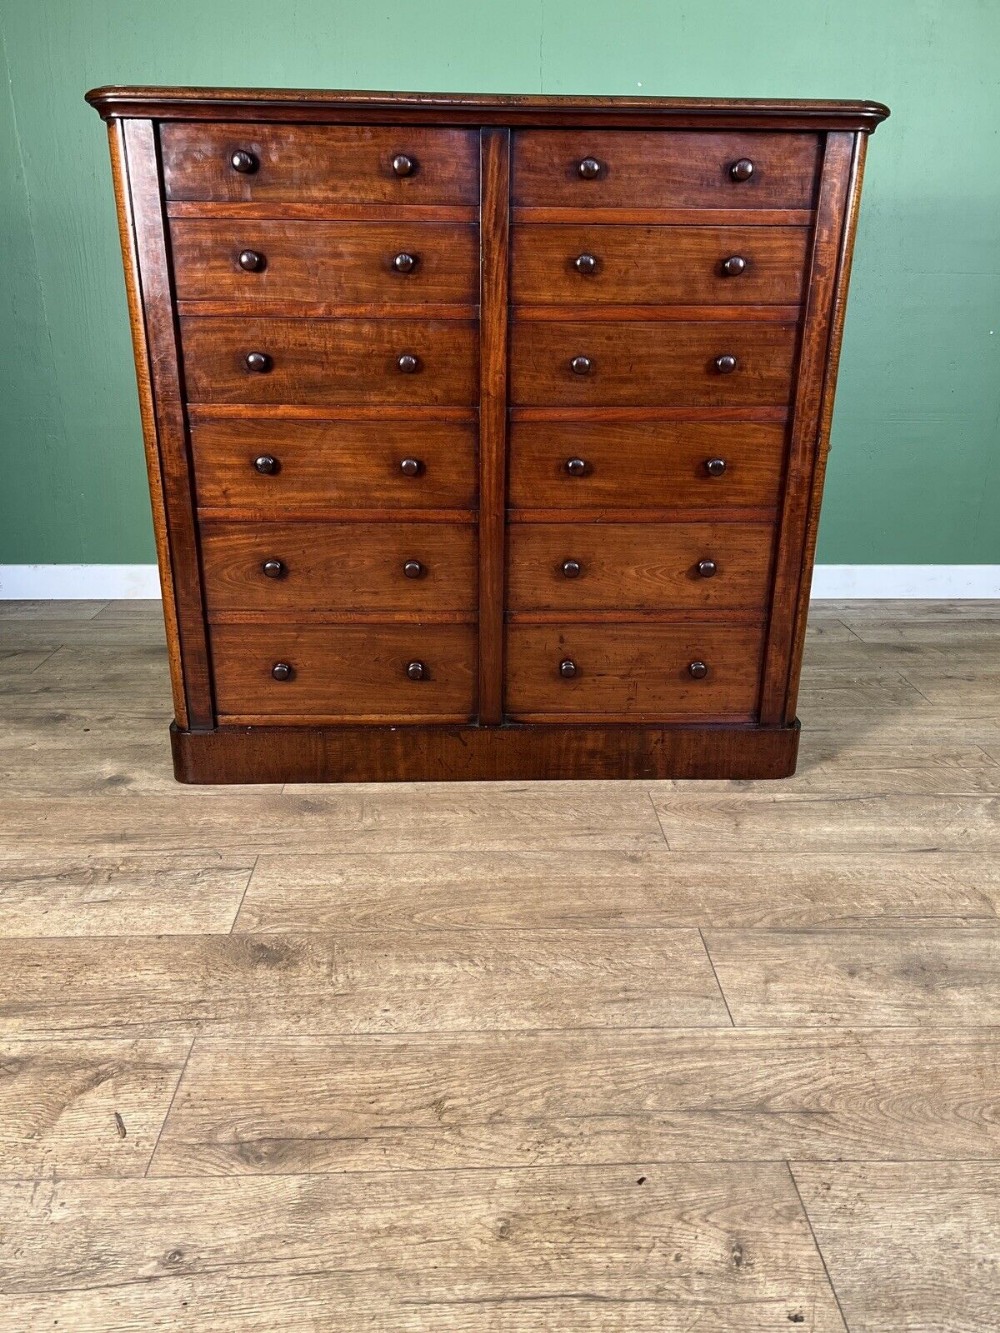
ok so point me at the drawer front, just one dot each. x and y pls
(638, 566)
(669, 363)
(264, 262)
(598, 265)
(664, 169)
(271, 466)
(637, 464)
(333, 164)
(638, 672)
(336, 362)
(377, 673)
(406, 567)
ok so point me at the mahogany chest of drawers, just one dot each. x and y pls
(485, 435)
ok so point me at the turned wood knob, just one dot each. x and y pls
(282, 671)
(273, 569)
(715, 467)
(571, 569)
(416, 670)
(404, 165)
(585, 264)
(741, 170)
(697, 670)
(244, 161)
(581, 365)
(407, 364)
(252, 261)
(411, 467)
(404, 263)
(734, 266)
(725, 365)
(266, 465)
(589, 169)
(707, 569)
(576, 467)
(413, 569)
(567, 669)
(258, 362)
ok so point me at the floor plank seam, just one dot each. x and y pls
(170, 1107)
(243, 896)
(659, 821)
(711, 963)
(815, 1240)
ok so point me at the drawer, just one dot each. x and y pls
(270, 466)
(262, 262)
(376, 673)
(638, 672)
(638, 566)
(664, 169)
(669, 363)
(336, 362)
(339, 567)
(335, 164)
(637, 464)
(598, 265)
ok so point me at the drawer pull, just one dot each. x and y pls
(404, 263)
(734, 266)
(411, 467)
(252, 261)
(715, 467)
(567, 668)
(273, 569)
(585, 264)
(725, 365)
(266, 465)
(413, 569)
(404, 165)
(407, 364)
(416, 670)
(581, 365)
(282, 671)
(571, 569)
(697, 670)
(589, 169)
(244, 162)
(258, 362)
(576, 467)
(741, 170)
(707, 569)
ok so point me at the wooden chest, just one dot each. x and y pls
(485, 435)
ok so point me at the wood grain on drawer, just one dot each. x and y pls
(320, 163)
(397, 263)
(585, 265)
(340, 567)
(336, 464)
(639, 464)
(355, 672)
(664, 169)
(638, 566)
(651, 363)
(336, 362)
(633, 671)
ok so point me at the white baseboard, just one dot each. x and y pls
(119, 582)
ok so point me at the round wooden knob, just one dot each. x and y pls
(404, 165)
(697, 670)
(266, 465)
(252, 261)
(725, 365)
(416, 670)
(258, 362)
(576, 467)
(571, 569)
(407, 364)
(734, 266)
(585, 264)
(413, 569)
(411, 467)
(273, 569)
(715, 467)
(244, 161)
(581, 365)
(404, 263)
(741, 170)
(707, 569)
(589, 169)
(282, 671)
(567, 669)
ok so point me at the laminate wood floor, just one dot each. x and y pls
(512, 1058)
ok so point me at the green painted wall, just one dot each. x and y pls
(915, 472)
